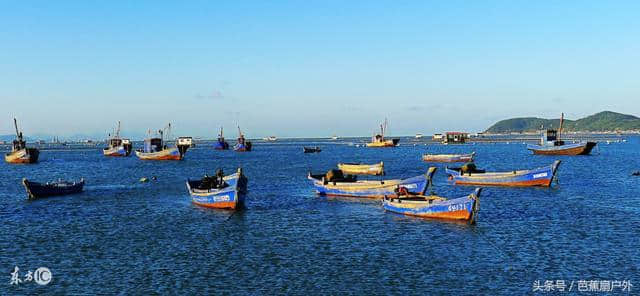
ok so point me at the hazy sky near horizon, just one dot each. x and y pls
(312, 68)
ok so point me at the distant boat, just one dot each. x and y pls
(334, 138)
(156, 149)
(221, 144)
(220, 192)
(535, 177)
(419, 136)
(38, 190)
(550, 144)
(379, 140)
(311, 149)
(270, 138)
(448, 157)
(375, 169)
(335, 183)
(242, 145)
(19, 151)
(118, 146)
(432, 206)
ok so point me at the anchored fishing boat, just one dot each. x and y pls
(468, 175)
(550, 144)
(311, 149)
(433, 206)
(117, 146)
(270, 139)
(375, 169)
(378, 140)
(242, 144)
(448, 157)
(219, 191)
(156, 149)
(221, 144)
(19, 151)
(336, 183)
(38, 190)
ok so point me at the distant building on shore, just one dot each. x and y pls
(455, 138)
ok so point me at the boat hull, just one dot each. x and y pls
(386, 143)
(166, 154)
(221, 146)
(369, 189)
(27, 155)
(242, 147)
(448, 157)
(37, 190)
(568, 149)
(536, 177)
(461, 209)
(119, 151)
(362, 169)
(230, 197)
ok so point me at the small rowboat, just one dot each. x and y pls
(37, 190)
(461, 209)
(448, 157)
(376, 169)
(535, 177)
(336, 184)
(210, 192)
(311, 149)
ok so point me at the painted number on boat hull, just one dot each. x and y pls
(221, 198)
(540, 175)
(457, 207)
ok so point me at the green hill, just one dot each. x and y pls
(601, 122)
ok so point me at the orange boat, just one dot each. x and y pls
(379, 140)
(19, 151)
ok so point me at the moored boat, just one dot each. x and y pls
(379, 140)
(270, 138)
(551, 144)
(20, 153)
(448, 157)
(311, 149)
(242, 145)
(38, 190)
(335, 183)
(432, 206)
(219, 191)
(542, 176)
(156, 149)
(375, 169)
(117, 146)
(221, 144)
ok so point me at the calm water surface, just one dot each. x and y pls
(124, 237)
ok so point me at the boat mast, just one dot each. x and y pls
(560, 130)
(15, 123)
(221, 132)
(118, 131)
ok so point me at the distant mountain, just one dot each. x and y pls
(601, 122)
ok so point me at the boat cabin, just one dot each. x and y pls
(153, 145)
(550, 138)
(115, 142)
(185, 141)
(19, 144)
(455, 138)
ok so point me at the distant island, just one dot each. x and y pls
(605, 121)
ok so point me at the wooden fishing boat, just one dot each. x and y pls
(432, 206)
(379, 141)
(20, 153)
(335, 183)
(311, 149)
(156, 149)
(242, 145)
(376, 169)
(220, 192)
(536, 177)
(221, 144)
(117, 146)
(551, 144)
(448, 157)
(38, 190)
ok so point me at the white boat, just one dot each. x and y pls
(418, 136)
(270, 138)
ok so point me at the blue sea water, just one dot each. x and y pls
(125, 237)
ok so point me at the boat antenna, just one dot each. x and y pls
(561, 121)
(118, 130)
(221, 132)
(15, 123)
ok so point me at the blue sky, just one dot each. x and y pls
(312, 68)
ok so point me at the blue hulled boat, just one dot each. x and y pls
(220, 192)
(38, 190)
(535, 177)
(335, 183)
(221, 144)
